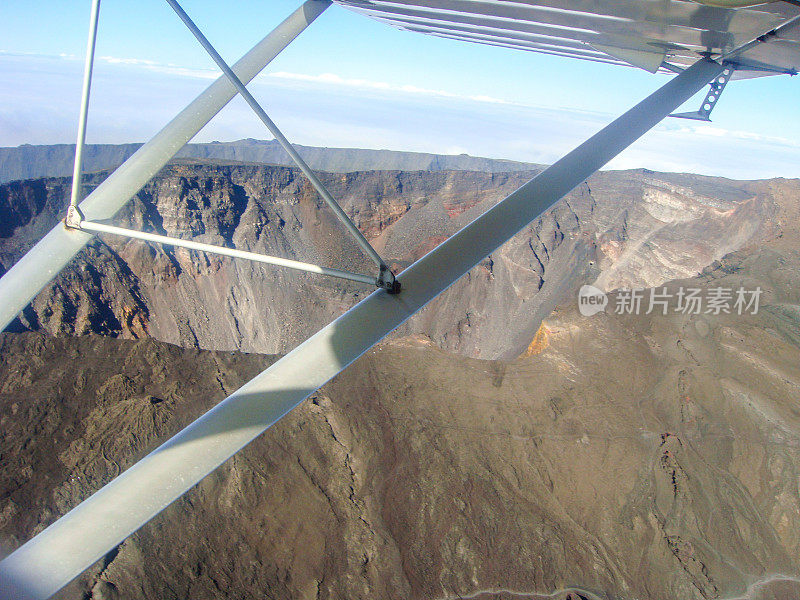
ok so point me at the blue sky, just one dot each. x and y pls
(350, 81)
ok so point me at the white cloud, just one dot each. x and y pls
(337, 80)
(165, 69)
(712, 131)
(114, 60)
(133, 99)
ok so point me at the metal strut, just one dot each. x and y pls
(386, 278)
(710, 101)
(31, 273)
(270, 260)
(73, 214)
(76, 220)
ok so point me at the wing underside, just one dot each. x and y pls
(642, 33)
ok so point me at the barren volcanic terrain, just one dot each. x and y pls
(501, 445)
(619, 228)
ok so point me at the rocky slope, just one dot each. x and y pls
(620, 228)
(606, 457)
(29, 162)
(624, 456)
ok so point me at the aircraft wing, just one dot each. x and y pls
(642, 33)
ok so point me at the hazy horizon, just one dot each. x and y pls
(351, 82)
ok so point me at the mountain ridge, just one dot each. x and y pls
(32, 161)
(619, 228)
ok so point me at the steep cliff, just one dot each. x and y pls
(620, 228)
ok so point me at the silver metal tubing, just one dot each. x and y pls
(64, 549)
(764, 37)
(46, 259)
(270, 260)
(285, 143)
(87, 85)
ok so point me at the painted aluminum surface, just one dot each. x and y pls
(681, 31)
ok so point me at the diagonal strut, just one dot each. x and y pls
(386, 278)
(75, 218)
(31, 273)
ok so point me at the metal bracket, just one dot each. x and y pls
(710, 101)
(387, 281)
(74, 217)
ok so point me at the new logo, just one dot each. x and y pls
(591, 300)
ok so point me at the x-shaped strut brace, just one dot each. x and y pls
(76, 220)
